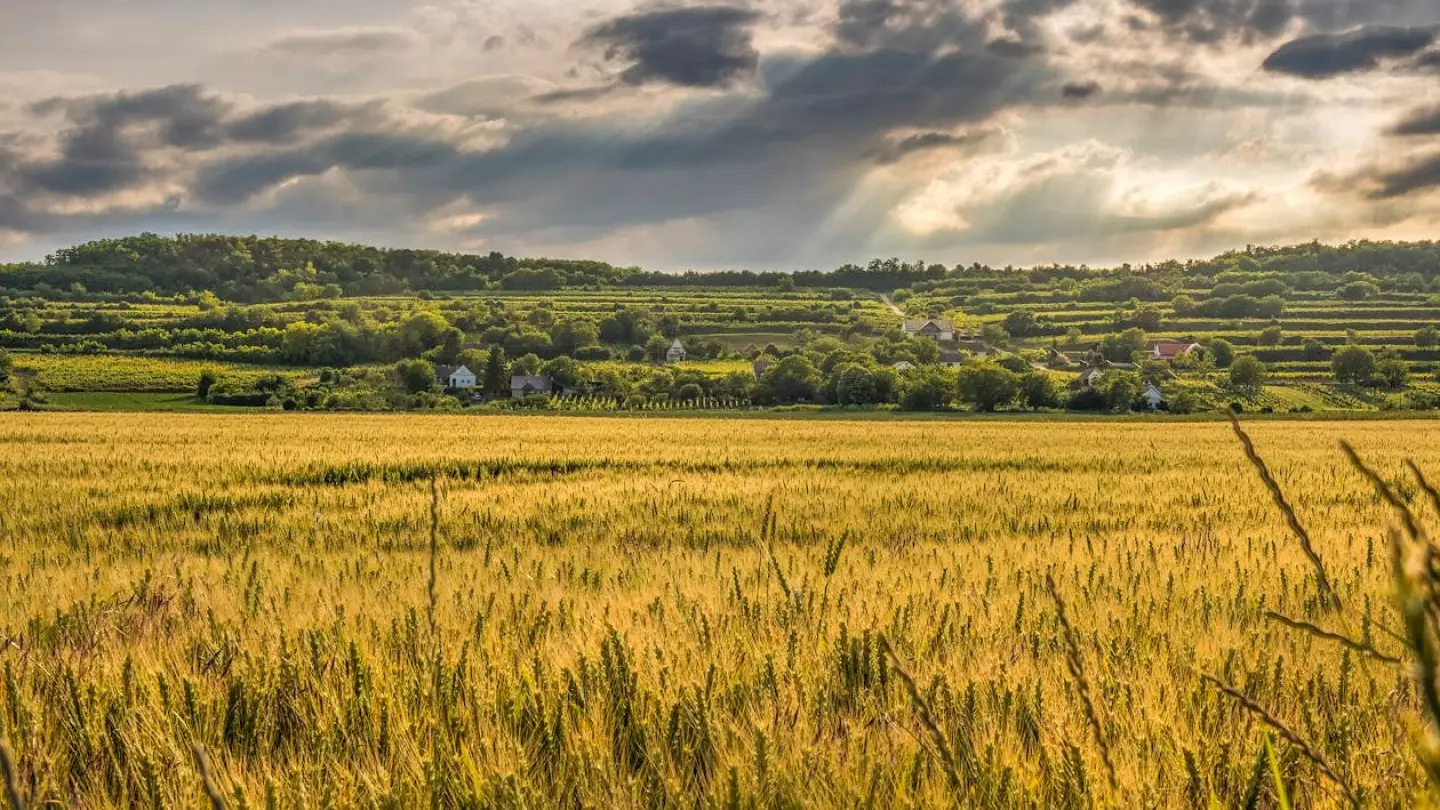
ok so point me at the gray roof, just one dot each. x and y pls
(519, 381)
(917, 325)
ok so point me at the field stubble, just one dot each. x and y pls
(690, 612)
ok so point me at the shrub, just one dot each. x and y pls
(1353, 364)
(207, 381)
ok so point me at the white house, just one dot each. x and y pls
(930, 328)
(456, 377)
(1154, 397)
(676, 353)
(462, 378)
(903, 365)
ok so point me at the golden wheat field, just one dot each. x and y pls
(405, 611)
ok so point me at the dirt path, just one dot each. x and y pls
(899, 313)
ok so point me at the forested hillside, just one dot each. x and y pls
(250, 269)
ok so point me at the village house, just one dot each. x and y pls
(931, 328)
(458, 378)
(1154, 398)
(903, 366)
(1057, 359)
(676, 353)
(1090, 376)
(1168, 351)
(522, 386)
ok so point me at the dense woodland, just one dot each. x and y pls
(250, 269)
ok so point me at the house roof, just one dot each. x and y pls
(538, 383)
(917, 325)
(444, 372)
(678, 345)
(1168, 350)
(462, 371)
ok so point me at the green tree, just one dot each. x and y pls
(415, 376)
(988, 385)
(1271, 336)
(1358, 291)
(563, 371)
(794, 379)
(207, 381)
(1120, 390)
(1393, 371)
(1123, 348)
(528, 342)
(1183, 305)
(572, 335)
(1315, 350)
(1222, 352)
(1185, 402)
(1427, 337)
(1038, 389)
(995, 335)
(854, 385)
(1247, 372)
(1021, 323)
(452, 342)
(928, 388)
(496, 381)
(656, 347)
(527, 365)
(1353, 364)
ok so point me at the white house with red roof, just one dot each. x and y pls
(1171, 351)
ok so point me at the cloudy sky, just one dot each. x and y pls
(739, 133)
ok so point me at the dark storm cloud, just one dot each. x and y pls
(1420, 174)
(188, 114)
(237, 180)
(100, 154)
(1423, 121)
(1322, 56)
(287, 123)
(700, 46)
(823, 123)
(1080, 90)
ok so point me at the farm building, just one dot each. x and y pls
(456, 377)
(1058, 359)
(931, 328)
(1171, 351)
(522, 386)
(676, 353)
(1154, 398)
